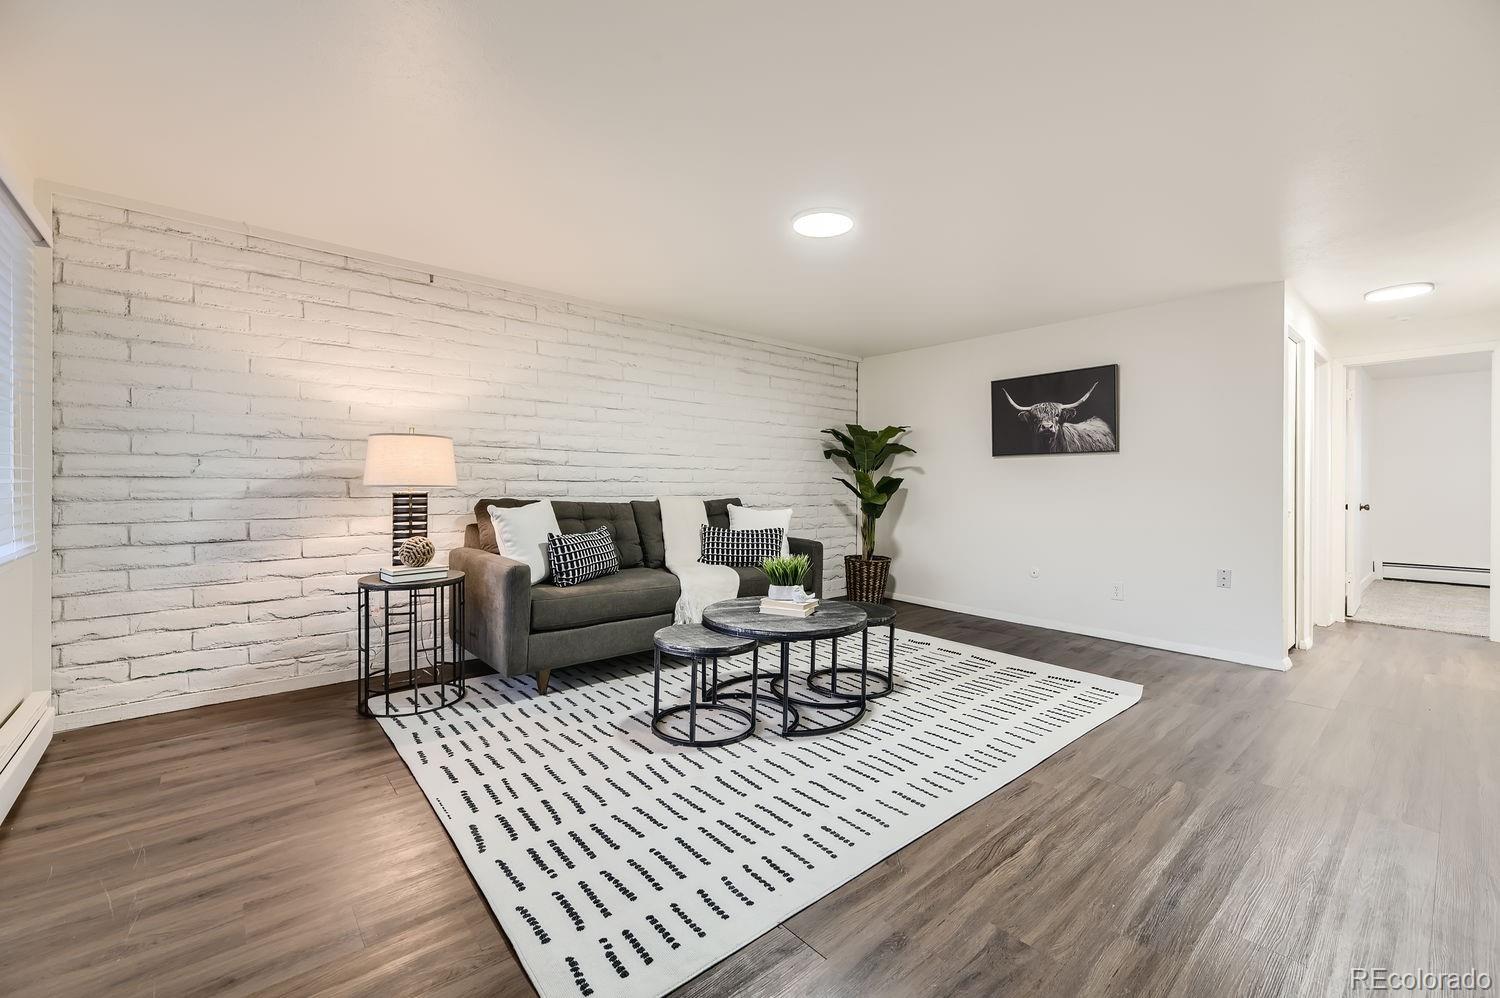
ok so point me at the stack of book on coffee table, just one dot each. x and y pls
(412, 573)
(789, 608)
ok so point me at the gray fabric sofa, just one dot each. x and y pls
(517, 628)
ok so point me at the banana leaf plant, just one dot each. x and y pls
(865, 452)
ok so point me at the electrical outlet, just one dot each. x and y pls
(1225, 578)
(1036, 573)
(1117, 591)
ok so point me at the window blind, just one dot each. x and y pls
(17, 386)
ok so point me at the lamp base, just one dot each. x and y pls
(408, 519)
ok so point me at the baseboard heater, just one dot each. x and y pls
(23, 737)
(1410, 571)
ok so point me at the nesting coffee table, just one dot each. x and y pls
(742, 618)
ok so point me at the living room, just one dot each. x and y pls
(674, 500)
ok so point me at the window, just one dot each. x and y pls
(17, 383)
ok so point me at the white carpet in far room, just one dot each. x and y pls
(1427, 606)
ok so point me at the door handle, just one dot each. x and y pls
(1364, 507)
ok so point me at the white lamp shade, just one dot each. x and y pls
(397, 459)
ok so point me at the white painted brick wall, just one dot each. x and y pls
(213, 392)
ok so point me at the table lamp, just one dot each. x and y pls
(408, 461)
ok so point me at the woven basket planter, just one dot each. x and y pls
(866, 577)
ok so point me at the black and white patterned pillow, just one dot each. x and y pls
(722, 546)
(575, 558)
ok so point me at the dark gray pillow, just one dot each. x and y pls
(648, 525)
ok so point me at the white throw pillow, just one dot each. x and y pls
(745, 518)
(521, 533)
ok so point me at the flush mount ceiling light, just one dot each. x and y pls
(820, 223)
(1399, 291)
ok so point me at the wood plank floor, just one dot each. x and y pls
(1239, 832)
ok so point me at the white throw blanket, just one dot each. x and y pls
(682, 520)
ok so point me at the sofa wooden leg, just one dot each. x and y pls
(542, 679)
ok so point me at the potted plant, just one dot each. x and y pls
(786, 574)
(865, 452)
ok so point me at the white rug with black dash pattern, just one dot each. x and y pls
(620, 865)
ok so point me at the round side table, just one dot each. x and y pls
(700, 646)
(876, 615)
(434, 659)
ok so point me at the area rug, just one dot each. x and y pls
(1427, 606)
(620, 865)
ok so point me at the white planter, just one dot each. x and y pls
(793, 593)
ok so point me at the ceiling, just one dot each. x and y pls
(1008, 164)
(1453, 363)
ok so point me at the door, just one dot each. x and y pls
(1354, 495)
(1291, 397)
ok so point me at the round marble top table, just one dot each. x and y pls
(742, 618)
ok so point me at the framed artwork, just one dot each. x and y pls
(1066, 412)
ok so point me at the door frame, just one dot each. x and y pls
(1293, 423)
(1306, 420)
(1338, 450)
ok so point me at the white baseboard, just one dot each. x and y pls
(1279, 663)
(26, 733)
(185, 701)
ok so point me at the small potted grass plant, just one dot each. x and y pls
(786, 573)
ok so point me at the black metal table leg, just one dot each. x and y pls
(754, 682)
(693, 700)
(833, 683)
(890, 660)
(786, 702)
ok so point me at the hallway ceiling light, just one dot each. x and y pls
(1399, 291)
(820, 223)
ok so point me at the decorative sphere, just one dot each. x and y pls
(416, 551)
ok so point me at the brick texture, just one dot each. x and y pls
(212, 395)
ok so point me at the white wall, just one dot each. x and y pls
(214, 389)
(1196, 486)
(1429, 454)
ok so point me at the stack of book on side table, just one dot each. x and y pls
(789, 608)
(412, 573)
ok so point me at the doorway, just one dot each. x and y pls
(1418, 473)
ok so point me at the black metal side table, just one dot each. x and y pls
(876, 615)
(434, 658)
(700, 646)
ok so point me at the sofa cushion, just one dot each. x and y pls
(581, 517)
(648, 524)
(629, 593)
(753, 581)
(575, 518)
